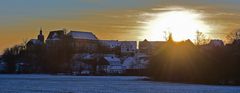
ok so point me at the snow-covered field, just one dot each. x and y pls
(99, 84)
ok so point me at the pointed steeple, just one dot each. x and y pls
(41, 36)
(40, 33)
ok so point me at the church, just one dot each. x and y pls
(37, 42)
(81, 41)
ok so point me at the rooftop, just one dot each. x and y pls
(82, 35)
(113, 60)
(34, 42)
(54, 35)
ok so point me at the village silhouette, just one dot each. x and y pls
(207, 61)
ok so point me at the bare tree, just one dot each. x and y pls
(166, 35)
(12, 55)
(233, 36)
(201, 38)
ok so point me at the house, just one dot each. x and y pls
(145, 47)
(125, 46)
(142, 60)
(148, 47)
(129, 63)
(136, 65)
(216, 43)
(81, 41)
(81, 64)
(82, 35)
(110, 46)
(110, 65)
(110, 43)
(139, 61)
(84, 41)
(36, 42)
(236, 42)
(187, 42)
(128, 47)
(54, 37)
(81, 68)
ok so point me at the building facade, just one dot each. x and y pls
(128, 47)
(148, 47)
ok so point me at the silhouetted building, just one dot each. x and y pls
(79, 64)
(55, 35)
(110, 65)
(36, 42)
(81, 35)
(236, 42)
(110, 43)
(216, 43)
(136, 65)
(84, 41)
(148, 47)
(128, 47)
(188, 42)
(145, 46)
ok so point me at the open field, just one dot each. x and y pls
(100, 84)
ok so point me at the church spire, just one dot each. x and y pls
(40, 33)
(41, 36)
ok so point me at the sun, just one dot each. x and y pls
(182, 24)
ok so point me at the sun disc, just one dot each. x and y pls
(182, 24)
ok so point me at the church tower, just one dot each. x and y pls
(41, 36)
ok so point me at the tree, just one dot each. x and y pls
(12, 55)
(233, 36)
(201, 38)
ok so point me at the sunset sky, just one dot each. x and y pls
(112, 19)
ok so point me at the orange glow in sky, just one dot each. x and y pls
(117, 19)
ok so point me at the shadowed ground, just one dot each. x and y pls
(99, 84)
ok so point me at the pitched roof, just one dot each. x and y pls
(55, 35)
(128, 61)
(34, 42)
(82, 35)
(113, 60)
(236, 42)
(216, 42)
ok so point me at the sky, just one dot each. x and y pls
(108, 19)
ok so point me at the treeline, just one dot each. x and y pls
(39, 58)
(185, 62)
